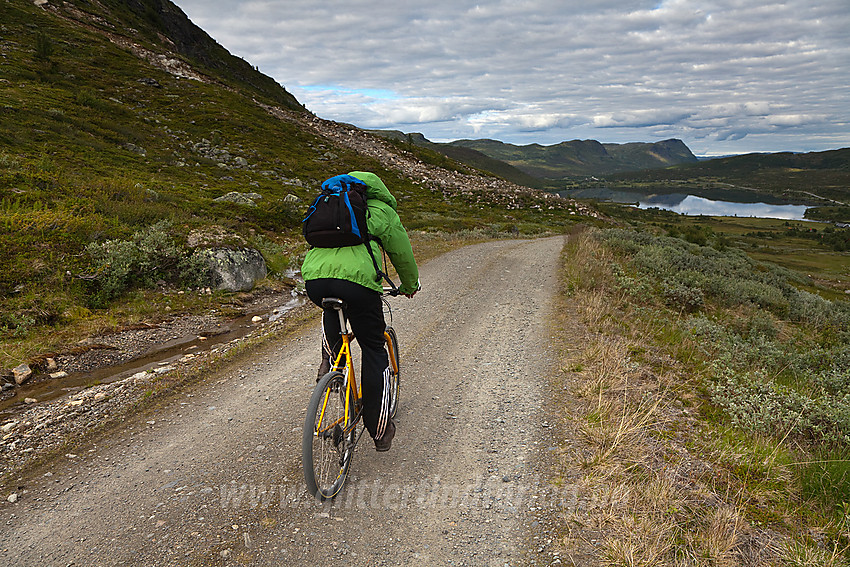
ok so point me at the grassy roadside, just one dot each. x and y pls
(700, 426)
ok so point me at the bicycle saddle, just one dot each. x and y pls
(333, 303)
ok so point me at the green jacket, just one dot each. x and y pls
(353, 263)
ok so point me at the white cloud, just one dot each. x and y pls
(731, 73)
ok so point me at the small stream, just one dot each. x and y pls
(161, 356)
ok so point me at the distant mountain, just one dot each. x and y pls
(536, 165)
(468, 156)
(583, 157)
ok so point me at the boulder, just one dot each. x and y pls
(150, 82)
(22, 373)
(235, 270)
(136, 149)
(238, 198)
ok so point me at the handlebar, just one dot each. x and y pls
(394, 291)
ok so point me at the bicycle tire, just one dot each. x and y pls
(326, 456)
(395, 369)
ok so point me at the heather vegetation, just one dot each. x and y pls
(760, 359)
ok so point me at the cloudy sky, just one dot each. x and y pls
(725, 76)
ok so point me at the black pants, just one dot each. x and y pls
(366, 316)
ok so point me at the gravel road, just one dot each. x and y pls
(214, 477)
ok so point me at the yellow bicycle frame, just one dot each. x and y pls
(345, 363)
(391, 353)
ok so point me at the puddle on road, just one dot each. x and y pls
(160, 356)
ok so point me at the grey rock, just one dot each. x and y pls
(291, 199)
(235, 270)
(236, 197)
(135, 149)
(22, 373)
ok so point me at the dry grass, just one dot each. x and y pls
(643, 497)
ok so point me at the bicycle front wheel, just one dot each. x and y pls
(392, 350)
(329, 437)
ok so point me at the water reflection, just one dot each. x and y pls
(693, 205)
(686, 204)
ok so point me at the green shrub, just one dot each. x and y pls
(760, 324)
(638, 288)
(150, 256)
(43, 47)
(818, 312)
(86, 97)
(756, 403)
(278, 258)
(682, 297)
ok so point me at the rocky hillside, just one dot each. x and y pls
(134, 150)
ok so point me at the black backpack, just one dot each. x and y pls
(337, 216)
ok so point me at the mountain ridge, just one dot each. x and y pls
(539, 165)
(575, 158)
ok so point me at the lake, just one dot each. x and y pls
(693, 205)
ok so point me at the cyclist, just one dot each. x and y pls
(349, 273)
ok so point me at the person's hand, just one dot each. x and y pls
(411, 294)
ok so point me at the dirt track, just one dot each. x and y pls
(215, 478)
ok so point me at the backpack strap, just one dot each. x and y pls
(379, 274)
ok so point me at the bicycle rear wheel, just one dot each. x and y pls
(392, 351)
(328, 438)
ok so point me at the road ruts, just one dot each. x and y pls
(214, 478)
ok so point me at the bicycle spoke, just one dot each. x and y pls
(328, 440)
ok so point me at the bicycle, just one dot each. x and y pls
(330, 426)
